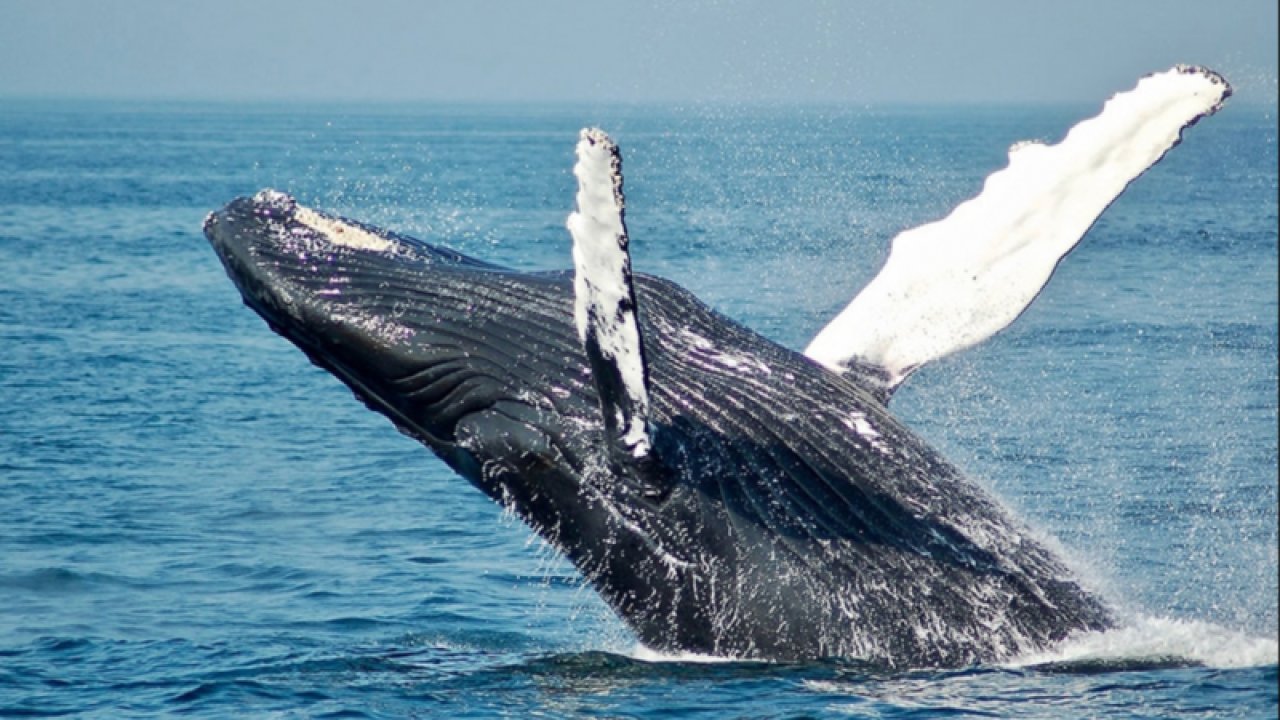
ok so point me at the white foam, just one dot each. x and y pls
(1160, 637)
(1144, 638)
(649, 655)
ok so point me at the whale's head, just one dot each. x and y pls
(322, 282)
(423, 335)
(479, 363)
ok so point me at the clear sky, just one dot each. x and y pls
(854, 51)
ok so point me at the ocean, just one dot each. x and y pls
(196, 522)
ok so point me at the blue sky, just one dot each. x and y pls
(679, 51)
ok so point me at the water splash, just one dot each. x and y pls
(1161, 638)
(646, 654)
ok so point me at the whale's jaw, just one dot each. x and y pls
(406, 325)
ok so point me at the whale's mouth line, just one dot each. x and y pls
(278, 253)
(306, 341)
(268, 297)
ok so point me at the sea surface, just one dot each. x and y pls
(196, 522)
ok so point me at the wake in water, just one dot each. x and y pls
(1148, 639)
(1144, 642)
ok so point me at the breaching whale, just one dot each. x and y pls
(725, 495)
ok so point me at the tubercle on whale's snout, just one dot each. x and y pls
(272, 264)
(268, 204)
(274, 204)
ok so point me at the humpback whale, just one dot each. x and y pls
(724, 494)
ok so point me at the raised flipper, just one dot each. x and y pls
(953, 283)
(605, 302)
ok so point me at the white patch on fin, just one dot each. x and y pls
(951, 284)
(605, 308)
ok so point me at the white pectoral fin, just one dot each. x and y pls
(605, 304)
(951, 284)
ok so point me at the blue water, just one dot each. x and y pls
(195, 521)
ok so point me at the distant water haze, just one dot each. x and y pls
(858, 52)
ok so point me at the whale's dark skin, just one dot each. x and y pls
(786, 513)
